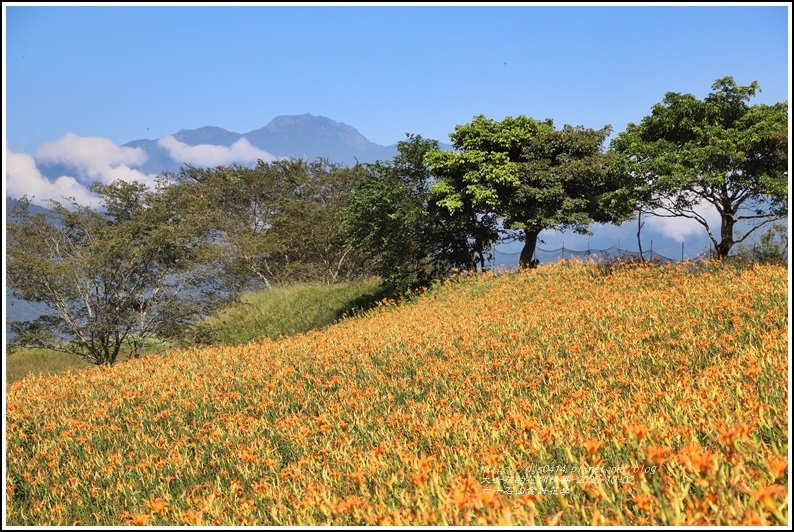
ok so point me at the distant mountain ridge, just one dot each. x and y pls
(287, 136)
(207, 135)
(303, 136)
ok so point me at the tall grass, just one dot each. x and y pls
(293, 309)
(563, 395)
(24, 362)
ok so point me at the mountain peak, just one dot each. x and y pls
(333, 139)
(206, 135)
(300, 136)
(309, 121)
(305, 118)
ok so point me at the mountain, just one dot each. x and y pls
(12, 204)
(288, 136)
(303, 136)
(308, 137)
(207, 135)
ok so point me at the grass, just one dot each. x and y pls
(564, 395)
(33, 361)
(285, 311)
(26, 362)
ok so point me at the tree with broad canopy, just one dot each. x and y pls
(718, 151)
(139, 268)
(531, 177)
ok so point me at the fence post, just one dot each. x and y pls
(682, 251)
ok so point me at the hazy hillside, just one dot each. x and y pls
(308, 137)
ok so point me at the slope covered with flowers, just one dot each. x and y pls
(567, 395)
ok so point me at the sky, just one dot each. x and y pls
(80, 81)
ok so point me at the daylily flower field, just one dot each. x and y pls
(571, 394)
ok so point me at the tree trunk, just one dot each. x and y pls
(481, 253)
(726, 233)
(530, 242)
(639, 230)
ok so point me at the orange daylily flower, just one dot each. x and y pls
(766, 496)
(140, 519)
(778, 467)
(157, 505)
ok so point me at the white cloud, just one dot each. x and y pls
(95, 159)
(99, 159)
(682, 229)
(210, 155)
(23, 178)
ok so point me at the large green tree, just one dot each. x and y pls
(531, 177)
(138, 267)
(392, 218)
(278, 222)
(720, 152)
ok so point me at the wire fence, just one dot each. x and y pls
(510, 260)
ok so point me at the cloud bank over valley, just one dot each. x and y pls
(67, 167)
(210, 155)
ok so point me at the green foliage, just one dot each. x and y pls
(717, 151)
(392, 219)
(149, 263)
(278, 222)
(113, 277)
(530, 176)
(771, 247)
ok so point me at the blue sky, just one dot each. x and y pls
(118, 73)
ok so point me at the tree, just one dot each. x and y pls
(530, 176)
(771, 247)
(391, 217)
(315, 221)
(718, 151)
(277, 222)
(113, 277)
